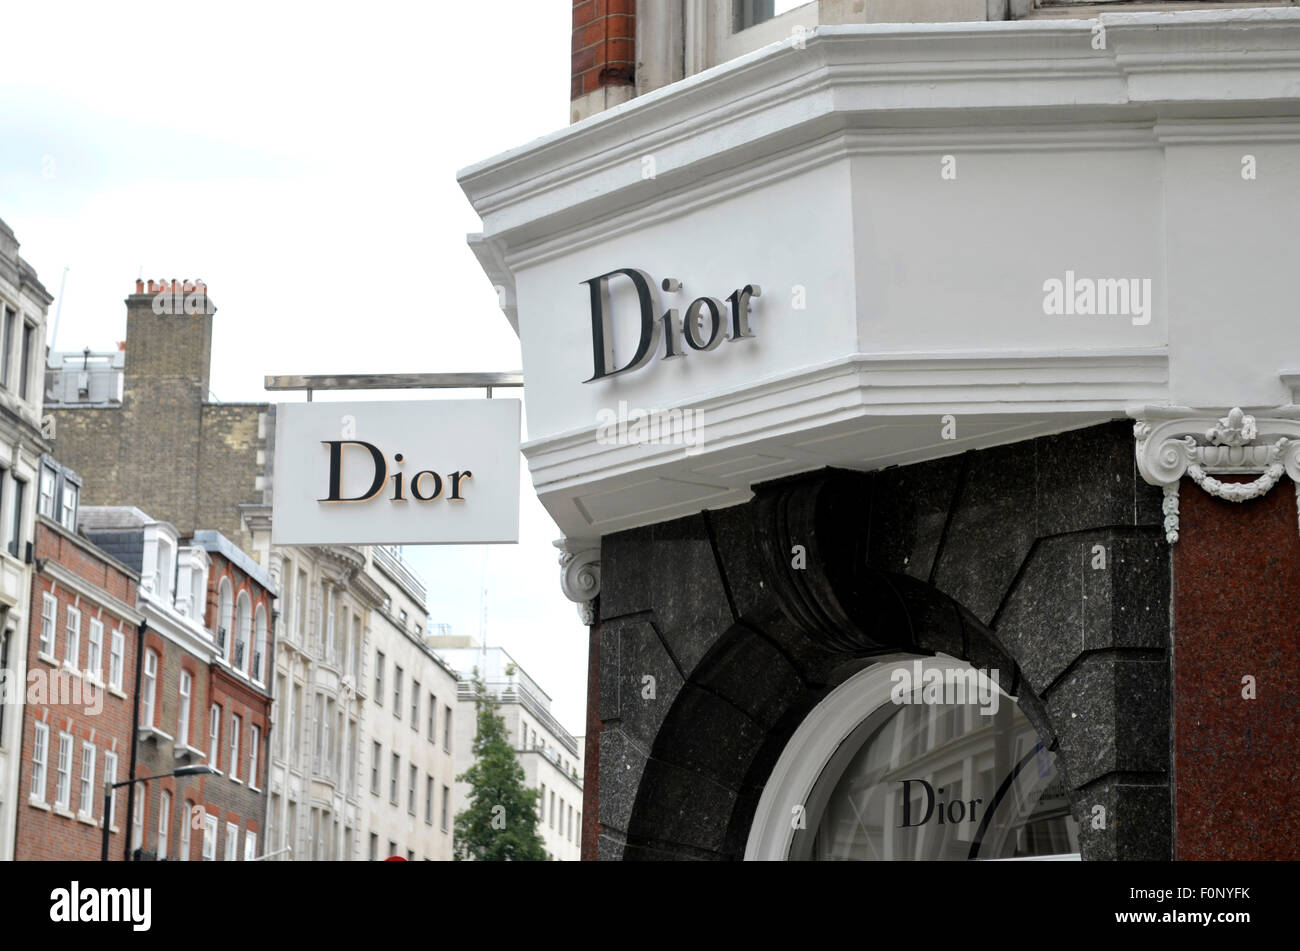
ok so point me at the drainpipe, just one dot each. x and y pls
(135, 732)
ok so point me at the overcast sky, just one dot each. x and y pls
(301, 160)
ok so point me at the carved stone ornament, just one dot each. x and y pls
(1172, 443)
(580, 574)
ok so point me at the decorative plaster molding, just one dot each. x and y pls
(1173, 442)
(580, 574)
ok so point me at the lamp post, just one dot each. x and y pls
(108, 796)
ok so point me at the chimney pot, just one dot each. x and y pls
(139, 286)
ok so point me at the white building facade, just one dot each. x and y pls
(851, 341)
(23, 304)
(410, 724)
(550, 755)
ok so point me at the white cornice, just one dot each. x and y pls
(1100, 384)
(887, 77)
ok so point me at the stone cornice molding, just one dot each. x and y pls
(580, 574)
(1152, 67)
(1172, 442)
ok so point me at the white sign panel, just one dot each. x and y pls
(423, 472)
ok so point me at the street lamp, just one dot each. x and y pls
(108, 796)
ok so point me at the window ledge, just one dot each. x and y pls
(183, 751)
(47, 658)
(65, 813)
(39, 804)
(71, 668)
(92, 679)
(236, 779)
(87, 820)
(115, 691)
(147, 732)
(256, 789)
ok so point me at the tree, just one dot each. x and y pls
(500, 824)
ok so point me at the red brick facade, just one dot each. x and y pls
(45, 828)
(221, 695)
(604, 45)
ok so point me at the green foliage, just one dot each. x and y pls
(500, 824)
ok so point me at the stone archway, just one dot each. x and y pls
(715, 643)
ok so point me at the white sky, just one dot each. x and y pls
(301, 160)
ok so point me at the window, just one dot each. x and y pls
(329, 623)
(225, 614)
(137, 824)
(63, 773)
(184, 855)
(446, 728)
(374, 847)
(410, 791)
(415, 705)
(235, 727)
(392, 847)
(243, 632)
(214, 736)
(259, 643)
(541, 803)
(232, 841)
(164, 822)
(49, 616)
(149, 689)
(446, 806)
(68, 510)
(40, 761)
(16, 517)
(379, 678)
(45, 491)
(163, 571)
(24, 382)
(374, 768)
(397, 692)
(320, 725)
(209, 837)
(116, 656)
(72, 642)
(428, 800)
(410, 855)
(7, 344)
(250, 846)
(392, 788)
(433, 717)
(95, 649)
(254, 741)
(88, 780)
(183, 717)
(300, 603)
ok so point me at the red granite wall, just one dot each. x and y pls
(1237, 614)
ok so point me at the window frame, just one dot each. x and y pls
(86, 784)
(40, 763)
(63, 773)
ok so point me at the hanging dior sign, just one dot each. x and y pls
(1174, 442)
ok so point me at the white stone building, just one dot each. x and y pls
(23, 303)
(410, 770)
(550, 754)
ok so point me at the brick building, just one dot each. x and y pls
(77, 723)
(215, 453)
(204, 693)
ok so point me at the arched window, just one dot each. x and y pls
(914, 758)
(225, 614)
(243, 631)
(259, 645)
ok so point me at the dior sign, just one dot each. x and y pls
(702, 326)
(396, 473)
